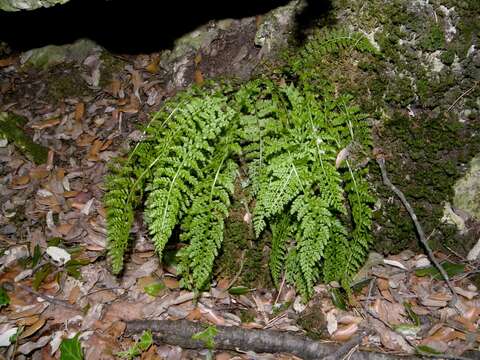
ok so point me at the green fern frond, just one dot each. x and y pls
(281, 234)
(119, 213)
(204, 225)
(193, 135)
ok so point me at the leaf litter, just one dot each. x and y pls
(66, 288)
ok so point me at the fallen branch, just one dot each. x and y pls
(180, 332)
(421, 234)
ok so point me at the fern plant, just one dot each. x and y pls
(299, 144)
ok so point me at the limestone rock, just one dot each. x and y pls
(16, 5)
(50, 55)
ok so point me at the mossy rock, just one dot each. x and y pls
(11, 128)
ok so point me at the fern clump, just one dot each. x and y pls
(299, 144)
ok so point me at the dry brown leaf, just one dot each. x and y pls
(29, 331)
(153, 67)
(70, 194)
(7, 62)
(94, 150)
(39, 173)
(382, 284)
(433, 303)
(117, 329)
(114, 87)
(74, 295)
(137, 81)
(20, 180)
(79, 111)
(223, 356)
(85, 140)
(30, 311)
(29, 346)
(64, 229)
(444, 334)
(345, 332)
(28, 320)
(465, 293)
(45, 124)
(131, 108)
(387, 295)
(195, 314)
(171, 283)
(469, 325)
(151, 354)
(106, 144)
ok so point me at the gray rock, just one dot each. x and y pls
(467, 190)
(16, 5)
(53, 55)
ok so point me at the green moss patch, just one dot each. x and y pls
(11, 128)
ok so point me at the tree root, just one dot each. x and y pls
(180, 332)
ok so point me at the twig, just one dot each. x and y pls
(48, 298)
(99, 290)
(461, 96)
(421, 234)
(280, 290)
(239, 272)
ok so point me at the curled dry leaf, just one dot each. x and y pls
(32, 329)
(345, 332)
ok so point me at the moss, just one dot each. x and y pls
(111, 67)
(433, 39)
(11, 127)
(247, 315)
(65, 81)
(448, 57)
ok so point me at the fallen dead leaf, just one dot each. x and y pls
(345, 332)
(39, 173)
(94, 150)
(85, 140)
(28, 321)
(171, 283)
(79, 111)
(28, 347)
(74, 295)
(46, 124)
(7, 62)
(29, 331)
(195, 314)
(223, 356)
(64, 229)
(20, 180)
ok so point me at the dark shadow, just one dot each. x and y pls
(121, 26)
(316, 14)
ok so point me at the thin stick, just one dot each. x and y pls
(461, 96)
(239, 272)
(421, 234)
(48, 298)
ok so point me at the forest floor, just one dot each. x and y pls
(54, 273)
